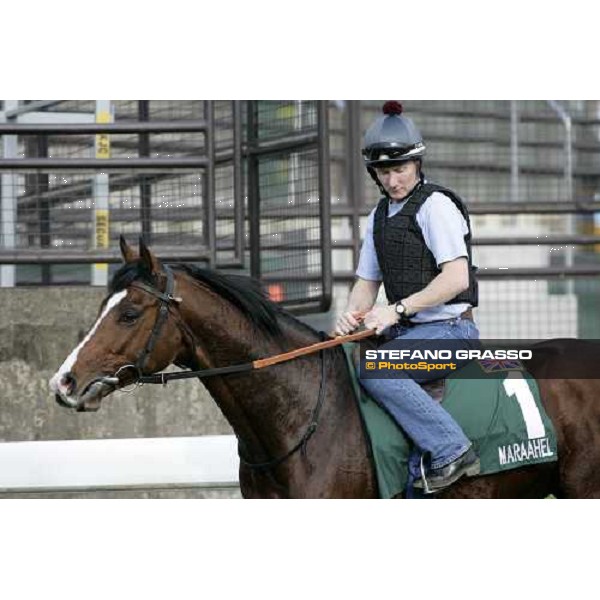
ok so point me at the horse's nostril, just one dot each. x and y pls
(68, 381)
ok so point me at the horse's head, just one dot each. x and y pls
(123, 342)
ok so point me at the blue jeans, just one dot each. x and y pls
(423, 419)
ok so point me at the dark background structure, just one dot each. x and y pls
(277, 189)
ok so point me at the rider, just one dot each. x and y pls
(423, 229)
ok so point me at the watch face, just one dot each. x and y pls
(400, 308)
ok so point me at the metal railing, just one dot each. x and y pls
(37, 191)
(119, 464)
(62, 197)
(524, 133)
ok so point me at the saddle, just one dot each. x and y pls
(435, 389)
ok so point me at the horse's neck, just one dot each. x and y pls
(267, 408)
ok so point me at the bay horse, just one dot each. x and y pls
(154, 316)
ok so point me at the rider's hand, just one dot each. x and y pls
(348, 322)
(381, 317)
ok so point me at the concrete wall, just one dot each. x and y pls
(38, 329)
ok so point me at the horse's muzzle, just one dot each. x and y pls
(90, 399)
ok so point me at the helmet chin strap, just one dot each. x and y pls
(374, 177)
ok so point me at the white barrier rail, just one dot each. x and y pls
(117, 464)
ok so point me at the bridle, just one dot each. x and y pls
(167, 300)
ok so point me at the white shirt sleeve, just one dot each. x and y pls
(443, 228)
(368, 265)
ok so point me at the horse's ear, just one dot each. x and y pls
(127, 251)
(149, 260)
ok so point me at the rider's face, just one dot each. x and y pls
(399, 180)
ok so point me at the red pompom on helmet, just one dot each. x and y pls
(392, 107)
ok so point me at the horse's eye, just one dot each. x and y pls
(129, 316)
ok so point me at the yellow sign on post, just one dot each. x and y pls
(102, 235)
(101, 238)
(102, 228)
(103, 139)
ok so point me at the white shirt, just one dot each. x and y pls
(443, 228)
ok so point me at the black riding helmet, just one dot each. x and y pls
(391, 139)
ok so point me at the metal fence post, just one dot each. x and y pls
(145, 187)
(565, 117)
(238, 183)
(101, 241)
(210, 195)
(37, 186)
(253, 192)
(354, 173)
(325, 202)
(514, 151)
(8, 195)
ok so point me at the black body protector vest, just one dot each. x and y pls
(408, 265)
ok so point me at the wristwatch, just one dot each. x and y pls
(401, 310)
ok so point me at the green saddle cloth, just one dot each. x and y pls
(498, 406)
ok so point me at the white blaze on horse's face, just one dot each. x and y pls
(57, 384)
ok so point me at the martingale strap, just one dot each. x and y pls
(310, 430)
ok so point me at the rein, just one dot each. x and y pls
(164, 378)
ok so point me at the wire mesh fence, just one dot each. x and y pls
(60, 211)
(290, 200)
(530, 155)
(539, 308)
(488, 151)
(290, 245)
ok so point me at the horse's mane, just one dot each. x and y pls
(243, 292)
